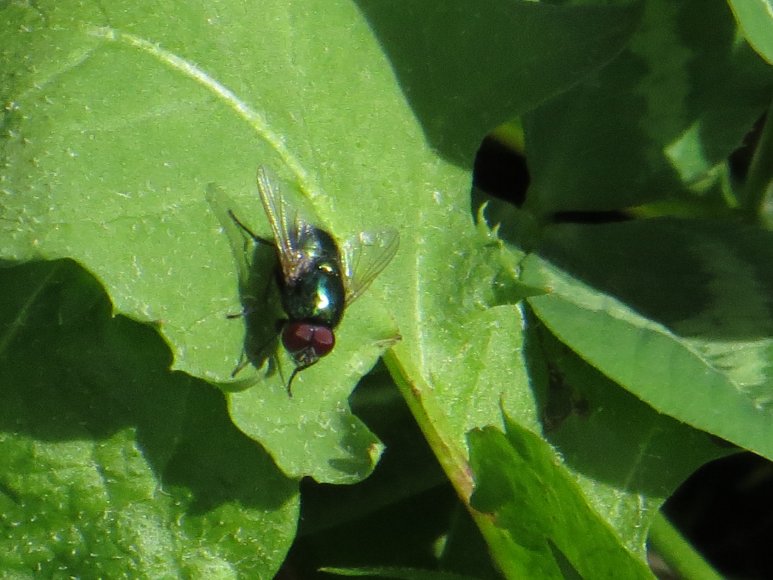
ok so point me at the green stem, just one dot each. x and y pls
(452, 459)
(678, 553)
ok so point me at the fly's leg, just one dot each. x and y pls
(243, 362)
(258, 240)
(244, 359)
(255, 238)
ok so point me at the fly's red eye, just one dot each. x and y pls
(298, 337)
(324, 340)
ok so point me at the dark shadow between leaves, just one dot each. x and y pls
(568, 571)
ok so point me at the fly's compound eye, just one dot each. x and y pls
(306, 337)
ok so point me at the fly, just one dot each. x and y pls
(317, 278)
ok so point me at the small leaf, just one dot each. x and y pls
(538, 509)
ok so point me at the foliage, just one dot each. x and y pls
(567, 376)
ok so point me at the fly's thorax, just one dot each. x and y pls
(317, 292)
(317, 245)
(318, 295)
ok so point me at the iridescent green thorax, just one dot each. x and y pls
(317, 293)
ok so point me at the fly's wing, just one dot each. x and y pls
(285, 223)
(256, 263)
(221, 206)
(366, 254)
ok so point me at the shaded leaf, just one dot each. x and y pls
(506, 57)
(654, 123)
(111, 464)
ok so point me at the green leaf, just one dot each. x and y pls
(113, 173)
(654, 123)
(593, 486)
(540, 510)
(505, 57)
(119, 116)
(111, 464)
(681, 318)
(755, 17)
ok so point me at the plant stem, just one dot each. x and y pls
(678, 553)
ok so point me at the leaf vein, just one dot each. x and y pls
(254, 118)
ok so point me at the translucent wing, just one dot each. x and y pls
(221, 206)
(286, 226)
(366, 255)
(256, 262)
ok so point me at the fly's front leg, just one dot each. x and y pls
(255, 238)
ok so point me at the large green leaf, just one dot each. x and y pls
(119, 116)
